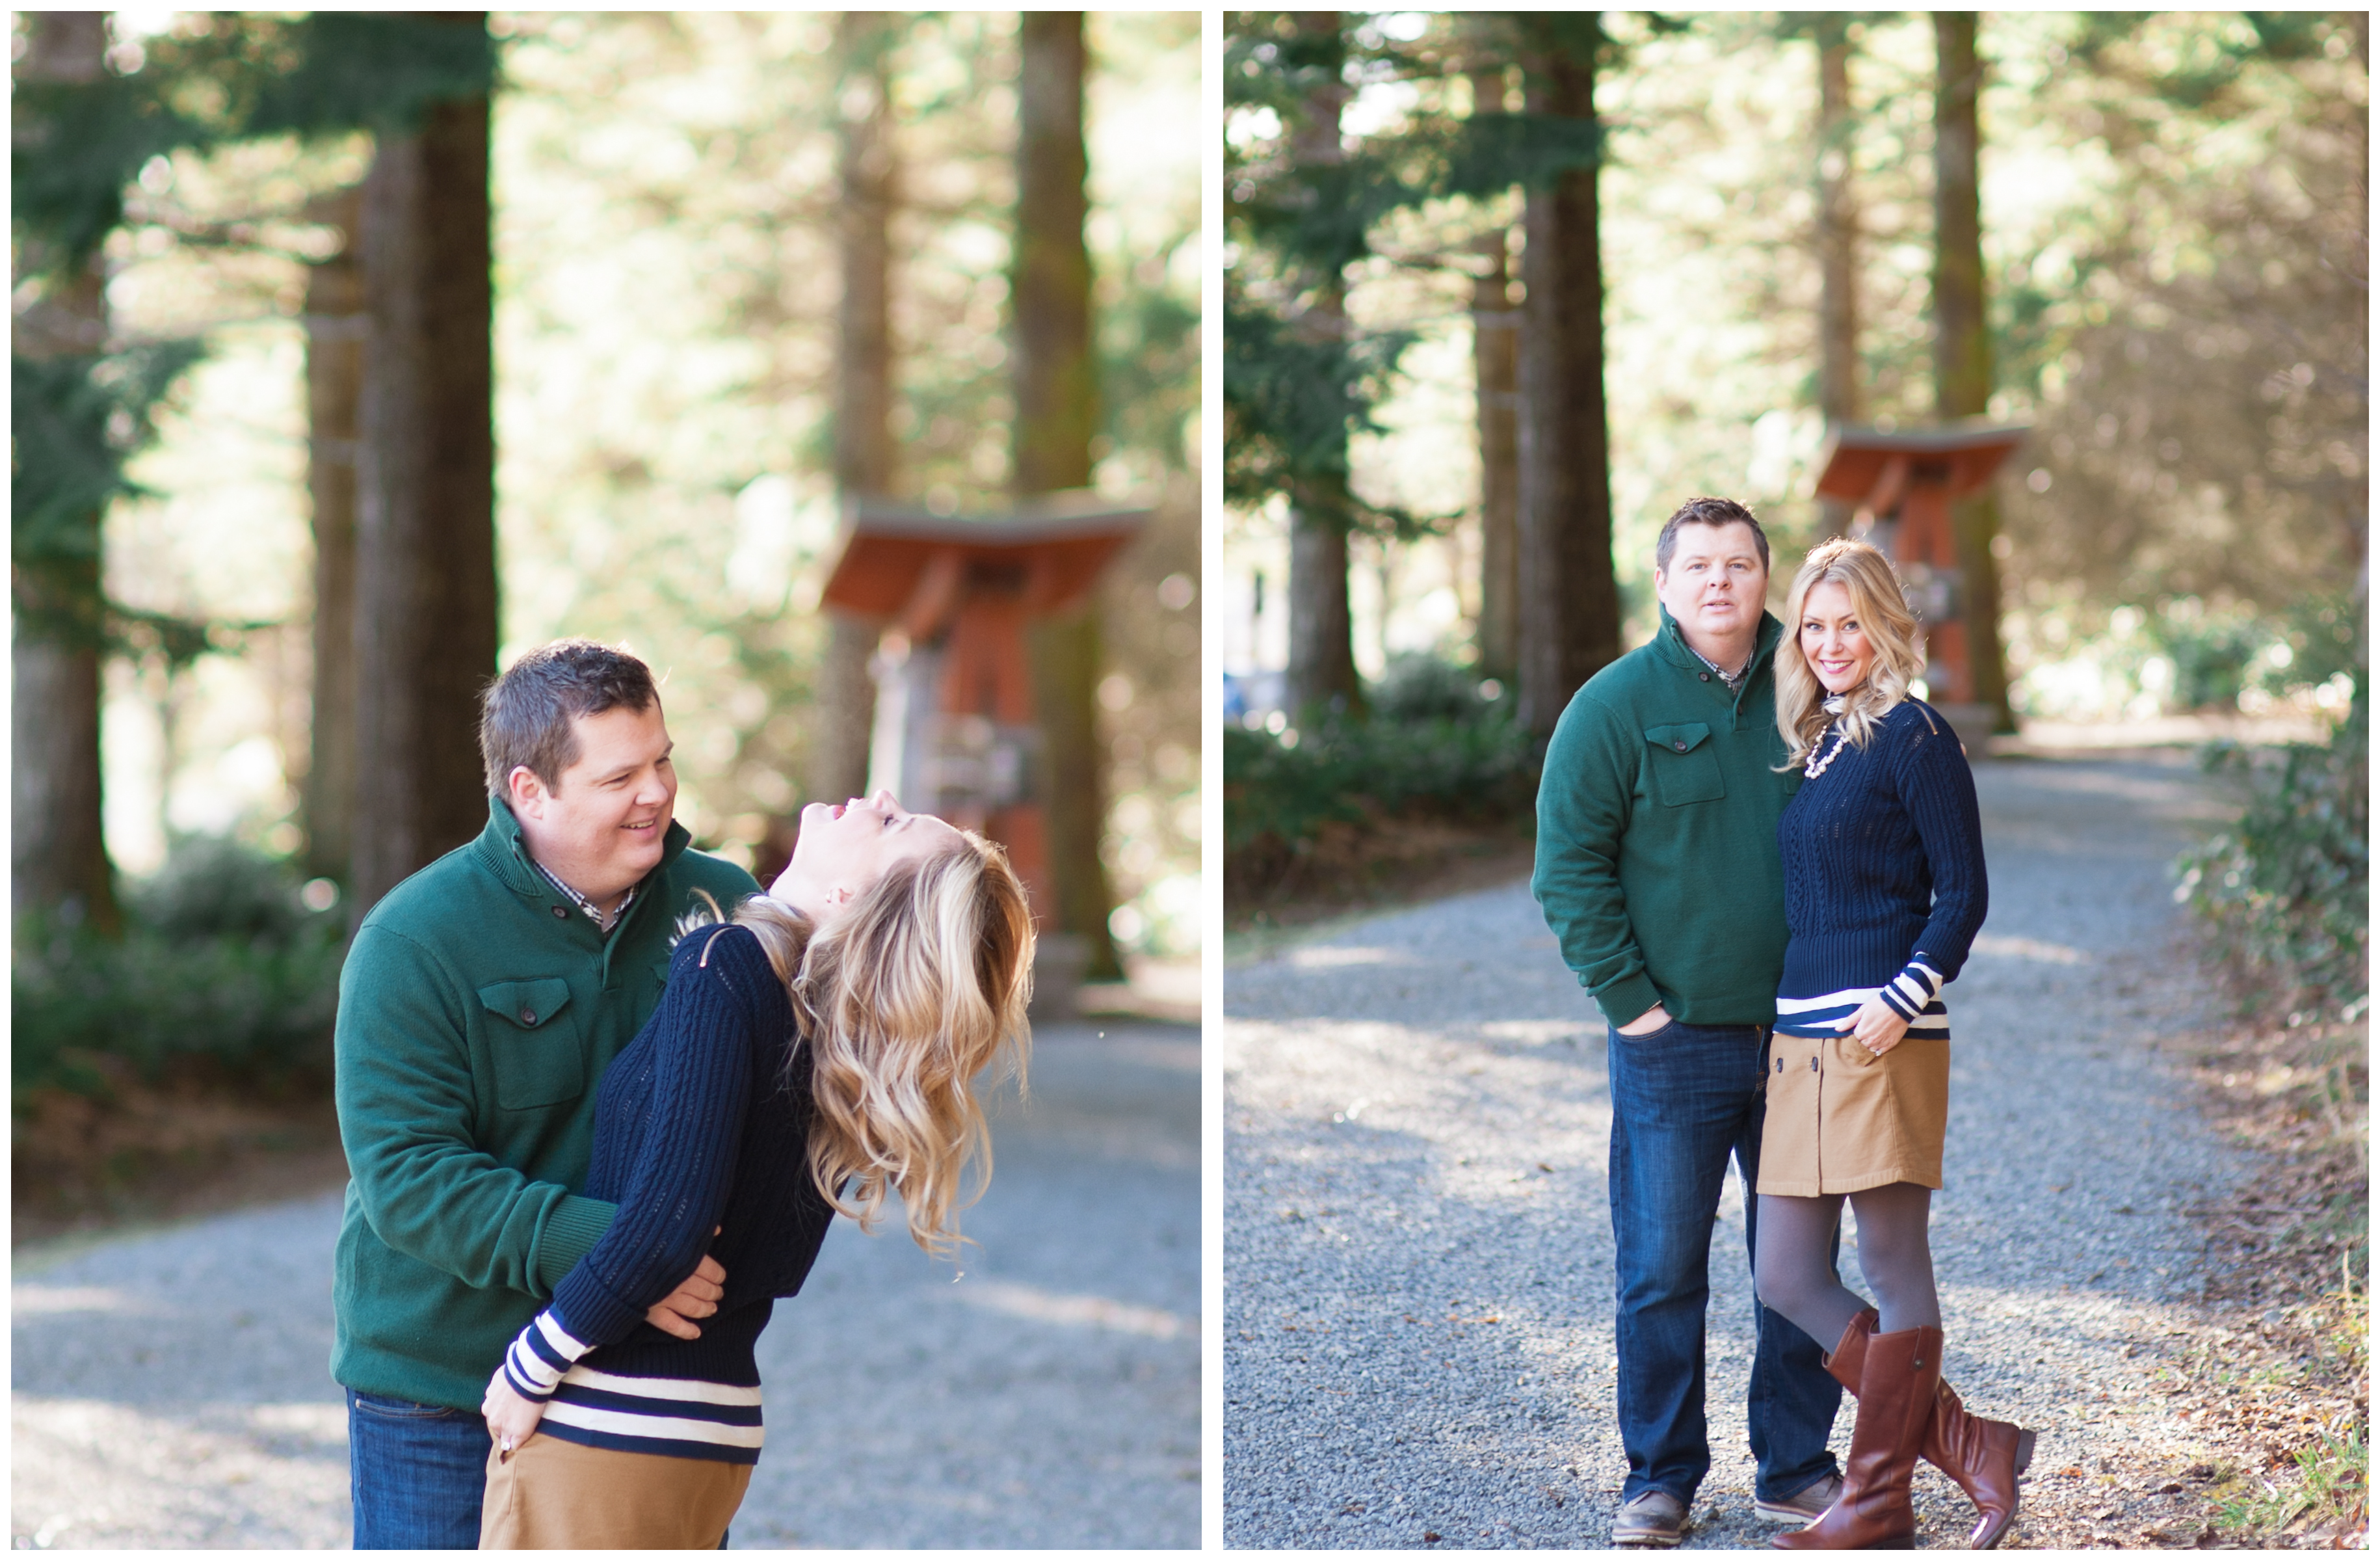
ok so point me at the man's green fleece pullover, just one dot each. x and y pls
(478, 1010)
(1657, 835)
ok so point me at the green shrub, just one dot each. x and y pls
(1416, 688)
(2283, 892)
(220, 970)
(1280, 791)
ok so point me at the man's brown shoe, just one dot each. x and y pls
(1803, 1505)
(1654, 1521)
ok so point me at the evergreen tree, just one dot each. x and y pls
(426, 539)
(868, 189)
(1962, 345)
(1057, 414)
(58, 857)
(1301, 207)
(335, 375)
(81, 137)
(1838, 244)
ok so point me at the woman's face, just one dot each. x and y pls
(844, 848)
(1833, 641)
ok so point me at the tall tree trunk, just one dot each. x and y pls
(864, 457)
(1057, 394)
(1057, 413)
(336, 323)
(58, 848)
(1962, 345)
(1569, 598)
(425, 533)
(1495, 355)
(1838, 398)
(1321, 630)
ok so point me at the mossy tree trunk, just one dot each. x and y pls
(1496, 355)
(866, 174)
(425, 533)
(1321, 672)
(1838, 398)
(1056, 416)
(58, 864)
(334, 373)
(1962, 343)
(1569, 598)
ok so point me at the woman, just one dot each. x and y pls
(807, 1058)
(1884, 893)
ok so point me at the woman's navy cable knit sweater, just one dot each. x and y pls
(697, 1124)
(1884, 876)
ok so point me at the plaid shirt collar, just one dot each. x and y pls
(1733, 681)
(583, 903)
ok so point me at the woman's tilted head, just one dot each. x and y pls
(1848, 632)
(846, 847)
(908, 984)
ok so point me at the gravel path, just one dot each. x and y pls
(171, 1389)
(1418, 1330)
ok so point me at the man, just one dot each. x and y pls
(1658, 869)
(480, 1002)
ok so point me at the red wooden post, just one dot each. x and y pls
(1904, 485)
(955, 736)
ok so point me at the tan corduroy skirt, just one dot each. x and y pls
(551, 1494)
(1843, 1119)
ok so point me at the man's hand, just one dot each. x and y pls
(698, 1295)
(1877, 1026)
(1646, 1022)
(511, 1420)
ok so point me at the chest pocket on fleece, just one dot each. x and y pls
(1684, 763)
(537, 1054)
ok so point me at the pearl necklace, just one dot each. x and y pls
(1834, 706)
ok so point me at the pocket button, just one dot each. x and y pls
(528, 1015)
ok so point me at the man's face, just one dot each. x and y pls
(1715, 584)
(600, 829)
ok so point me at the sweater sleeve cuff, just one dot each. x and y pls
(1628, 999)
(571, 1231)
(536, 1360)
(1909, 993)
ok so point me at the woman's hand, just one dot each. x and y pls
(511, 1420)
(1877, 1026)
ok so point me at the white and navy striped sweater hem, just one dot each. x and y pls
(676, 1417)
(1915, 994)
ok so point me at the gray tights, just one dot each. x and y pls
(1793, 1276)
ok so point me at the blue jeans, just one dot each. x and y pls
(1683, 1099)
(416, 1471)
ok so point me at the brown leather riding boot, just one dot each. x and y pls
(1896, 1399)
(1983, 1456)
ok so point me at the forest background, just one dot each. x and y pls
(2170, 275)
(672, 208)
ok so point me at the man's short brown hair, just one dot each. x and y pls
(527, 715)
(1706, 512)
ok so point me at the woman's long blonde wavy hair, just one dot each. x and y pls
(919, 986)
(1889, 626)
